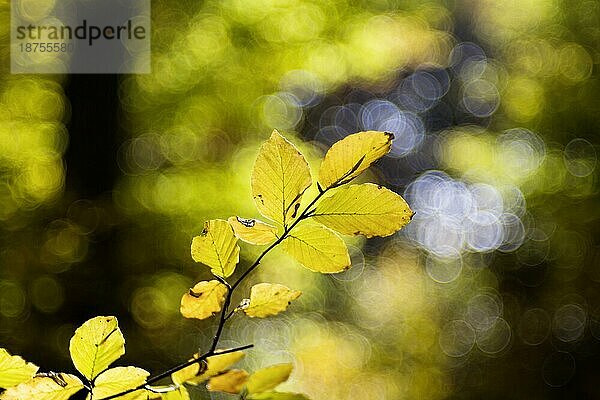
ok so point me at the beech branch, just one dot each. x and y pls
(176, 368)
(225, 314)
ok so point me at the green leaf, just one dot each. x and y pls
(96, 344)
(317, 248)
(366, 209)
(349, 157)
(52, 386)
(119, 379)
(279, 178)
(14, 370)
(268, 378)
(231, 381)
(277, 396)
(217, 247)
(269, 299)
(216, 364)
(203, 300)
(253, 231)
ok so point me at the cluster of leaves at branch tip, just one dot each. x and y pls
(309, 234)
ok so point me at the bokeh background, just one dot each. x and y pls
(492, 290)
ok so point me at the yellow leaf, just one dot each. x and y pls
(365, 209)
(214, 366)
(217, 247)
(14, 370)
(50, 386)
(167, 393)
(279, 178)
(180, 394)
(203, 300)
(277, 396)
(269, 299)
(317, 248)
(253, 231)
(349, 157)
(231, 381)
(96, 344)
(186, 374)
(268, 378)
(119, 379)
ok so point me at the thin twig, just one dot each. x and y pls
(305, 214)
(176, 368)
(225, 314)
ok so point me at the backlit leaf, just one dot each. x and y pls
(253, 231)
(217, 247)
(119, 379)
(277, 396)
(186, 374)
(231, 381)
(180, 394)
(214, 366)
(269, 299)
(279, 178)
(268, 378)
(317, 248)
(350, 156)
(52, 386)
(14, 370)
(167, 393)
(203, 300)
(365, 209)
(95, 345)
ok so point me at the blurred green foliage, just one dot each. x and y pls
(455, 307)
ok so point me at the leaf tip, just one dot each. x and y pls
(276, 136)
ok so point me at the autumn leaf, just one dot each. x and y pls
(317, 248)
(186, 374)
(119, 379)
(217, 247)
(269, 299)
(203, 300)
(95, 345)
(268, 378)
(216, 364)
(349, 157)
(279, 178)
(14, 370)
(231, 381)
(51, 386)
(253, 231)
(366, 209)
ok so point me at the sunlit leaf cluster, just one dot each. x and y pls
(304, 228)
(94, 347)
(280, 177)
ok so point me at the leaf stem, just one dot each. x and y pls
(285, 234)
(174, 369)
(223, 317)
